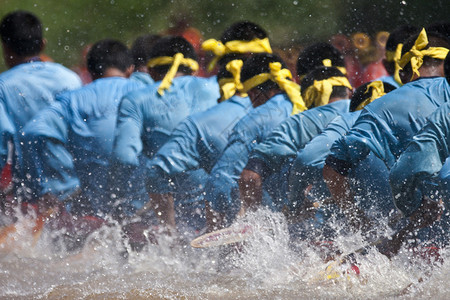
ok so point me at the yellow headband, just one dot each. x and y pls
(280, 77)
(327, 63)
(229, 86)
(177, 60)
(319, 93)
(219, 49)
(377, 92)
(417, 52)
(395, 57)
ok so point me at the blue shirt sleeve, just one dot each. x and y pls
(222, 188)
(7, 132)
(294, 133)
(179, 154)
(422, 160)
(307, 167)
(46, 158)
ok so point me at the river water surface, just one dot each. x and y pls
(267, 266)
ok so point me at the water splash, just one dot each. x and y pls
(269, 265)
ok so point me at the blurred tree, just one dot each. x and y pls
(70, 25)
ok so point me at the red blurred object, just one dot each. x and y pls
(374, 71)
(353, 269)
(6, 177)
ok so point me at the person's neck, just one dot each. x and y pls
(335, 99)
(15, 60)
(112, 72)
(264, 97)
(430, 71)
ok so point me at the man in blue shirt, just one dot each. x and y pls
(148, 116)
(387, 125)
(369, 179)
(83, 121)
(200, 139)
(28, 86)
(274, 97)
(327, 91)
(422, 161)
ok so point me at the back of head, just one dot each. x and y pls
(314, 56)
(243, 31)
(260, 63)
(229, 79)
(368, 92)
(398, 36)
(314, 86)
(107, 54)
(169, 46)
(435, 40)
(21, 32)
(141, 49)
(240, 31)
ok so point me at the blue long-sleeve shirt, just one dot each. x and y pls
(146, 121)
(387, 125)
(81, 121)
(292, 135)
(221, 189)
(26, 89)
(196, 143)
(307, 167)
(421, 161)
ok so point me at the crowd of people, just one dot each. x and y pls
(152, 146)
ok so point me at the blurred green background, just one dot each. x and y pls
(70, 25)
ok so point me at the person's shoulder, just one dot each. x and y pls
(59, 69)
(143, 93)
(406, 94)
(200, 83)
(143, 77)
(341, 106)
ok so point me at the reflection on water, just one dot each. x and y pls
(268, 266)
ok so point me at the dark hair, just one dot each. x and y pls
(361, 94)
(447, 67)
(141, 48)
(169, 46)
(223, 72)
(398, 36)
(240, 31)
(243, 31)
(21, 31)
(259, 63)
(108, 54)
(435, 39)
(313, 56)
(322, 73)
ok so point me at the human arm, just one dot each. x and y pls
(181, 153)
(46, 158)
(127, 147)
(7, 132)
(307, 167)
(421, 162)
